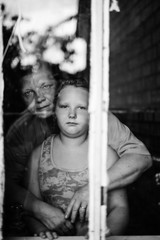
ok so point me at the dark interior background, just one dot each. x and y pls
(135, 98)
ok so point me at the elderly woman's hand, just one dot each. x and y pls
(78, 205)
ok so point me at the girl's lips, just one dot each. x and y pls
(72, 123)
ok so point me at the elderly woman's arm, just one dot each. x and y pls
(134, 158)
(127, 169)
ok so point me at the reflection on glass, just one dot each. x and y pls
(40, 47)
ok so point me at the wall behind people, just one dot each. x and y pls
(135, 97)
(135, 69)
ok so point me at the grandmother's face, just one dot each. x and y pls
(38, 90)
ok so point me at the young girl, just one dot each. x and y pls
(60, 165)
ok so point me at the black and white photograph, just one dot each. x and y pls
(80, 119)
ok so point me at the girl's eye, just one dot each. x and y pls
(82, 108)
(63, 106)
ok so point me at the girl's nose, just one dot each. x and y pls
(72, 114)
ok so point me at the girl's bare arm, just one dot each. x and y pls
(118, 212)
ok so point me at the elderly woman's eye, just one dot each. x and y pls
(28, 94)
(47, 86)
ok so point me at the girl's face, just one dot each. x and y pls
(38, 92)
(72, 111)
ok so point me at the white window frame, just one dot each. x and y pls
(98, 109)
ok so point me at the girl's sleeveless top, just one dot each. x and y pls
(58, 185)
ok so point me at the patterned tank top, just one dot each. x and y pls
(58, 185)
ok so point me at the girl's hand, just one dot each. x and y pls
(66, 229)
(47, 234)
